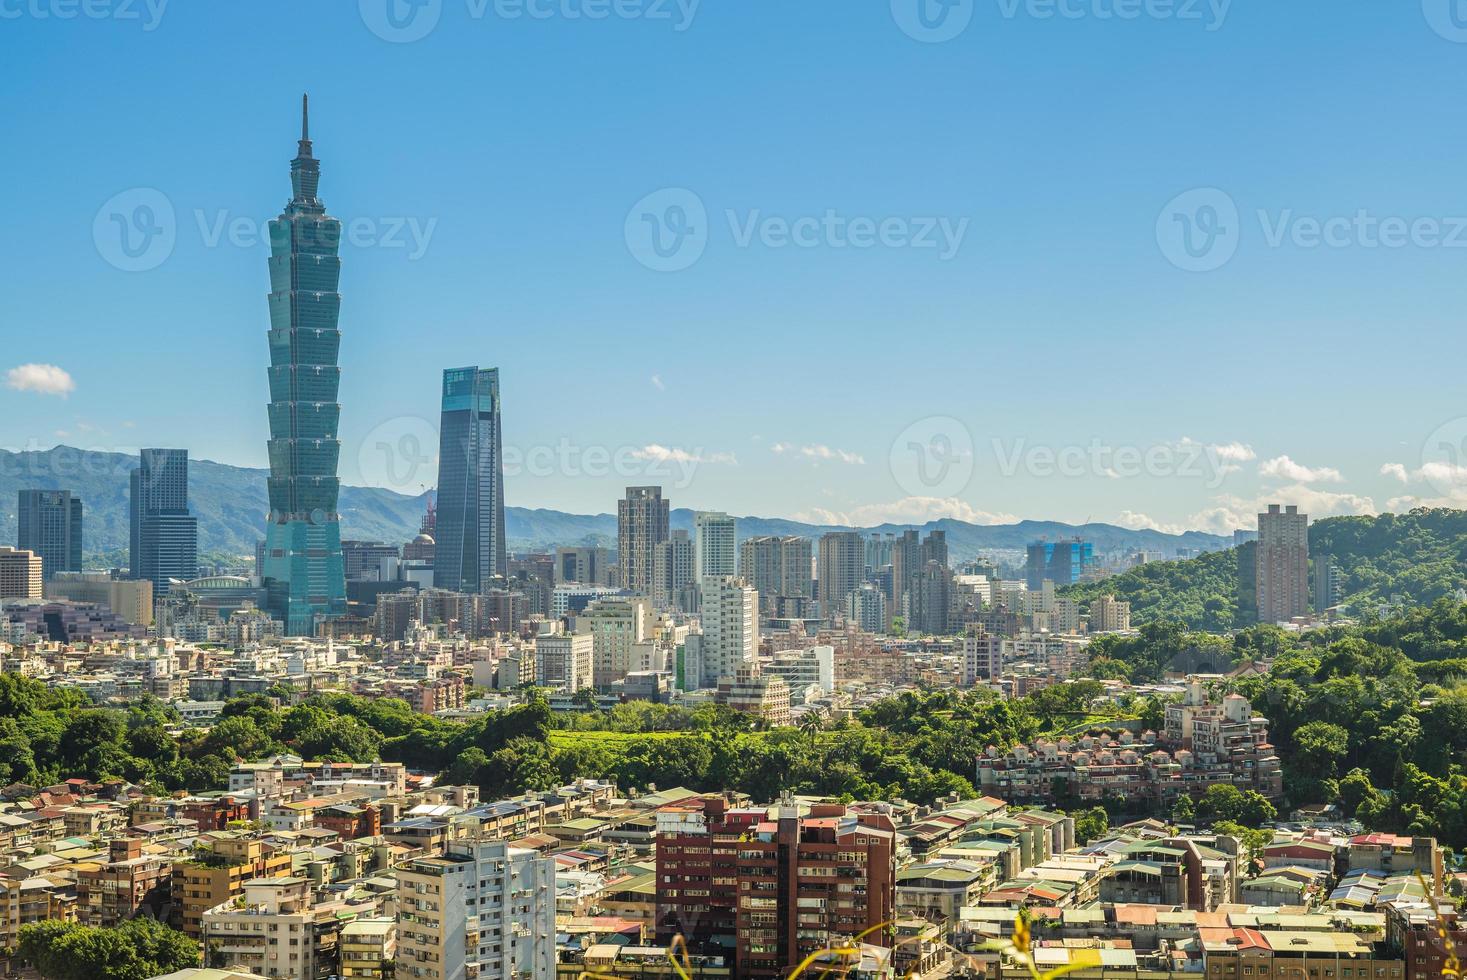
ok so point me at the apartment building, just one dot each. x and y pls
(763, 695)
(774, 886)
(218, 874)
(483, 909)
(617, 627)
(278, 929)
(1088, 768)
(1281, 565)
(368, 949)
(1225, 733)
(1109, 615)
(270, 933)
(128, 884)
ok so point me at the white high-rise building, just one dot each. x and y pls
(715, 544)
(483, 909)
(564, 661)
(730, 616)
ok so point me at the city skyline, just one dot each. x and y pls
(1185, 339)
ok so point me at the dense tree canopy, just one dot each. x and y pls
(136, 950)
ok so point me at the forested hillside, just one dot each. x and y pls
(1419, 557)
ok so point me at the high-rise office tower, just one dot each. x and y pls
(164, 536)
(641, 525)
(587, 566)
(674, 586)
(303, 570)
(778, 567)
(716, 535)
(1063, 562)
(906, 560)
(929, 599)
(50, 525)
(1282, 564)
(842, 569)
(730, 615)
(470, 529)
(1329, 583)
(878, 552)
(20, 574)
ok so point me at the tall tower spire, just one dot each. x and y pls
(305, 144)
(305, 169)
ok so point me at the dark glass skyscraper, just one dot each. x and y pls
(303, 569)
(164, 537)
(470, 523)
(50, 524)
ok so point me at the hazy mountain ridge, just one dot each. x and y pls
(230, 502)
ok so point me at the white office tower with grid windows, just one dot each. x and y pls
(715, 544)
(730, 618)
(483, 909)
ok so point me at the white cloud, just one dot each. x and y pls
(1284, 468)
(1233, 452)
(1396, 471)
(43, 379)
(827, 453)
(1230, 513)
(1137, 521)
(908, 510)
(666, 454)
(820, 453)
(657, 382)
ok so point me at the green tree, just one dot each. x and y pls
(1091, 824)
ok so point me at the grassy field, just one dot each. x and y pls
(564, 739)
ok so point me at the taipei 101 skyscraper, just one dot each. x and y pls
(303, 570)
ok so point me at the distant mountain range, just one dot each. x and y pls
(230, 503)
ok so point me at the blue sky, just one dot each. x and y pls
(923, 275)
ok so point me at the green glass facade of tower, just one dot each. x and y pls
(303, 568)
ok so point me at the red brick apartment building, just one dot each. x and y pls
(768, 892)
